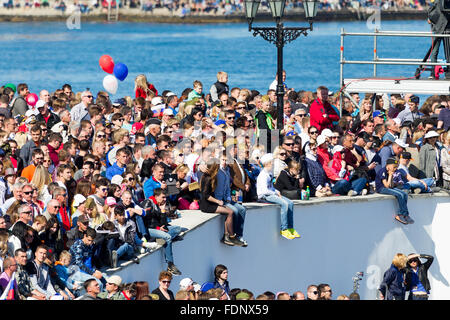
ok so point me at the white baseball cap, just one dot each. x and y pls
(431, 134)
(327, 133)
(78, 199)
(168, 112)
(401, 143)
(40, 104)
(321, 139)
(186, 282)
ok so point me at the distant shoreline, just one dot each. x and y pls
(163, 16)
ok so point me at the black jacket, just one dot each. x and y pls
(423, 277)
(286, 181)
(52, 120)
(154, 217)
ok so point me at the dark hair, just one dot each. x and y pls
(119, 210)
(218, 270)
(87, 283)
(90, 232)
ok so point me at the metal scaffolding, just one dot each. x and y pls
(394, 85)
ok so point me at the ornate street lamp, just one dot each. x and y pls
(279, 35)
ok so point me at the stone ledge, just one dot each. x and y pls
(193, 219)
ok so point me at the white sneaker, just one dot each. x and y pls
(364, 192)
(150, 245)
(143, 250)
(243, 241)
(351, 193)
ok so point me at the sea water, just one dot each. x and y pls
(45, 55)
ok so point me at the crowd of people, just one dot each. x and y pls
(86, 182)
(222, 7)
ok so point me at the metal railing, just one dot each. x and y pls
(386, 61)
(383, 61)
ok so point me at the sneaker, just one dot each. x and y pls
(409, 219)
(401, 218)
(294, 233)
(286, 234)
(364, 192)
(241, 239)
(143, 250)
(417, 190)
(226, 240)
(173, 270)
(435, 189)
(236, 241)
(352, 193)
(136, 260)
(178, 238)
(114, 259)
(150, 245)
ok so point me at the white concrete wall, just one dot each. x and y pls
(338, 239)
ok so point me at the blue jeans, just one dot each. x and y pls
(140, 225)
(286, 212)
(239, 212)
(344, 186)
(173, 231)
(125, 250)
(80, 276)
(402, 198)
(417, 184)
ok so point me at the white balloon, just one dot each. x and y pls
(110, 84)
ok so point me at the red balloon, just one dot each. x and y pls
(31, 99)
(107, 63)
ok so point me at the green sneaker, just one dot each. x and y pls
(286, 234)
(294, 232)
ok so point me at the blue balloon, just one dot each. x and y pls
(120, 71)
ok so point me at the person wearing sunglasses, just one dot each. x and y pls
(80, 110)
(416, 278)
(312, 293)
(163, 291)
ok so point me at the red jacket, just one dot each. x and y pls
(316, 112)
(53, 153)
(141, 93)
(325, 160)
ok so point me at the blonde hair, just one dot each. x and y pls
(276, 152)
(65, 254)
(4, 236)
(21, 138)
(141, 82)
(41, 178)
(220, 74)
(181, 168)
(400, 260)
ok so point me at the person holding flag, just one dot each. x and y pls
(8, 285)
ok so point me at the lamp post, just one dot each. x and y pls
(279, 36)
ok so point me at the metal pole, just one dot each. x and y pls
(375, 58)
(280, 87)
(341, 74)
